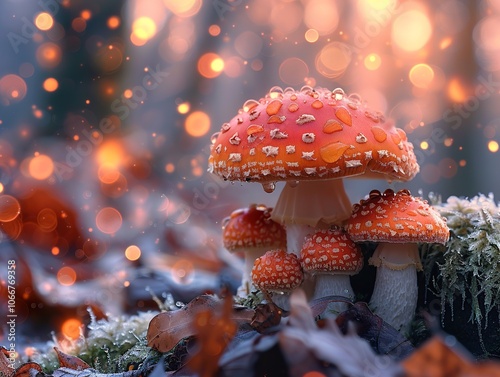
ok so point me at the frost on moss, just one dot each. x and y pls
(110, 345)
(469, 265)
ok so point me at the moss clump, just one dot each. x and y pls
(469, 266)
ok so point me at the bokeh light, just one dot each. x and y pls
(44, 21)
(293, 71)
(210, 65)
(493, 146)
(50, 84)
(143, 29)
(41, 167)
(373, 62)
(109, 220)
(197, 124)
(66, 276)
(322, 16)
(72, 328)
(421, 75)
(333, 59)
(13, 89)
(9, 208)
(411, 30)
(132, 253)
(48, 55)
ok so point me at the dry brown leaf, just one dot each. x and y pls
(5, 369)
(69, 361)
(436, 359)
(214, 331)
(25, 370)
(168, 328)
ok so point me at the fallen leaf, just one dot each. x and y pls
(5, 369)
(436, 359)
(265, 317)
(69, 361)
(384, 339)
(26, 370)
(213, 334)
(168, 328)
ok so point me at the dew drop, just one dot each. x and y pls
(293, 107)
(317, 104)
(275, 92)
(225, 221)
(214, 137)
(274, 107)
(180, 304)
(338, 94)
(355, 98)
(293, 97)
(269, 187)
(250, 104)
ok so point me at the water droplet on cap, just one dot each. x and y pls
(214, 137)
(250, 104)
(338, 94)
(269, 187)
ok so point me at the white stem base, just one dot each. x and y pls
(251, 255)
(394, 297)
(295, 235)
(334, 285)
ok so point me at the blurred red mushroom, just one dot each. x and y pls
(251, 231)
(278, 273)
(398, 222)
(332, 257)
(311, 138)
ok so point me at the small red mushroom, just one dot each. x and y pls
(251, 231)
(332, 257)
(398, 222)
(278, 273)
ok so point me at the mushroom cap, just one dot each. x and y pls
(252, 227)
(310, 134)
(331, 251)
(396, 218)
(277, 270)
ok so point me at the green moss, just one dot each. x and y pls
(469, 265)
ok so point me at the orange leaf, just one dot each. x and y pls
(69, 361)
(213, 334)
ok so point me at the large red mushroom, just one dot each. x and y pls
(398, 222)
(310, 138)
(252, 231)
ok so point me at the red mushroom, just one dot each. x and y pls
(317, 137)
(332, 257)
(251, 231)
(278, 273)
(398, 222)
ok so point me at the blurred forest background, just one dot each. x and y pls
(107, 108)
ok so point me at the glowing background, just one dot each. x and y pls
(106, 113)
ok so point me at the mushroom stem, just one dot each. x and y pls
(395, 293)
(334, 285)
(308, 205)
(251, 254)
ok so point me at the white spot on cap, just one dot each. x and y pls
(308, 156)
(292, 164)
(308, 137)
(235, 157)
(290, 149)
(310, 171)
(235, 140)
(278, 134)
(251, 152)
(305, 118)
(360, 138)
(270, 151)
(383, 153)
(353, 163)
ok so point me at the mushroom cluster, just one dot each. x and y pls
(312, 139)
(251, 231)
